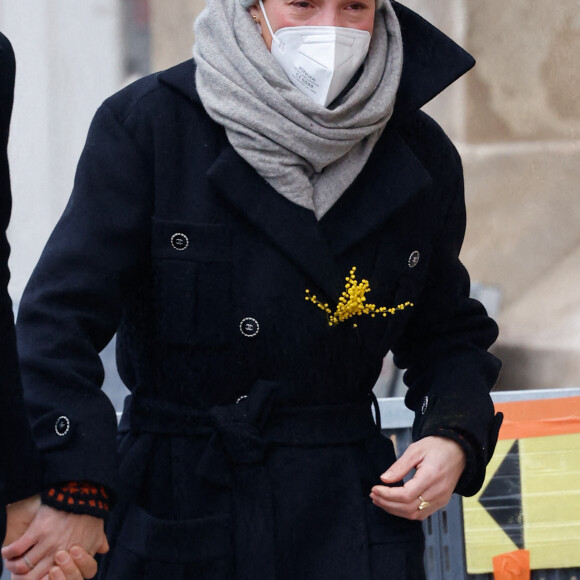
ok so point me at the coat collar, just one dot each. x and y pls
(431, 62)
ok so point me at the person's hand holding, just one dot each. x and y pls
(68, 539)
(19, 515)
(439, 463)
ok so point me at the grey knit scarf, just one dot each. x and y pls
(307, 153)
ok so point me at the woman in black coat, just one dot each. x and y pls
(260, 234)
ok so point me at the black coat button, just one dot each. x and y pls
(62, 426)
(249, 327)
(414, 259)
(179, 241)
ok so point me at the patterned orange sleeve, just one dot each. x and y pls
(79, 498)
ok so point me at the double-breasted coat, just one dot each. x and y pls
(19, 461)
(247, 448)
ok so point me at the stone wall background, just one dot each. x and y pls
(518, 129)
(515, 119)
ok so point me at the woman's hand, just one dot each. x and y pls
(19, 515)
(439, 463)
(32, 556)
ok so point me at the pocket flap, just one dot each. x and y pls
(173, 540)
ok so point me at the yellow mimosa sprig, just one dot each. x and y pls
(353, 302)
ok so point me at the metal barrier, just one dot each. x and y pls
(445, 557)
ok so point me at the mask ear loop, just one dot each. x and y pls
(274, 38)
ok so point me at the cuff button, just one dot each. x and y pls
(62, 426)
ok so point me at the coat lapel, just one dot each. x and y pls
(290, 227)
(392, 176)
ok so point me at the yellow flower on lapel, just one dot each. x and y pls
(353, 302)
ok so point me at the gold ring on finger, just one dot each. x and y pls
(423, 505)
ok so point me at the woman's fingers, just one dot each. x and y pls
(404, 465)
(76, 565)
(408, 509)
(38, 572)
(402, 505)
(33, 565)
(85, 563)
(57, 574)
(438, 462)
(20, 546)
(65, 568)
(103, 547)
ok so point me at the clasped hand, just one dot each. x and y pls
(43, 543)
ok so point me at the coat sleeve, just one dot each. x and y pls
(19, 462)
(444, 348)
(73, 302)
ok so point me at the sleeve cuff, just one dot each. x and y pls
(81, 498)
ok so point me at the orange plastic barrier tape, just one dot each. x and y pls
(540, 417)
(512, 566)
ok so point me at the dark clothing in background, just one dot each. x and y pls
(19, 461)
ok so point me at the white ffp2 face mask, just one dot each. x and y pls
(319, 60)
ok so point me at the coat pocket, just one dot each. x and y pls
(192, 272)
(396, 545)
(150, 548)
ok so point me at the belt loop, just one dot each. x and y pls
(375, 404)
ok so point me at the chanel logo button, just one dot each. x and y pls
(425, 405)
(62, 426)
(249, 327)
(414, 259)
(179, 241)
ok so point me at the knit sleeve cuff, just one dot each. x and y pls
(79, 498)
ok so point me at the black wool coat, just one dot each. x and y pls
(19, 461)
(247, 449)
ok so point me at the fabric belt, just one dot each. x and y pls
(239, 436)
